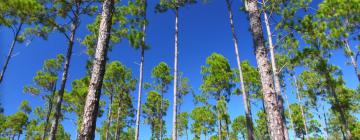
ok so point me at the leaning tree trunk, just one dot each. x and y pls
(174, 131)
(276, 123)
(47, 119)
(60, 96)
(276, 75)
(93, 97)
(301, 109)
(142, 49)
(219, 124)
(109, 118)
(353, 60)
(12, 46)
(249, 124)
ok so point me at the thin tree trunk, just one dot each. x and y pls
(118, 129)
(274, 116)
(275, 74)
(219, 127)
(49, 111)
(12, 46)
(109, 118)
(301, 108)
(249, 124)
(187, 136)
(290, 117)
(142, 49)
(174, 131)
(353, 60)
(93, 97)
(227, 130)
(60, 96)
(326, 124)
(161, 115)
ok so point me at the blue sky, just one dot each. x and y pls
(204, 29)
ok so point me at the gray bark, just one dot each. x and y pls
(275, 74)
(174, 131)
(274, 116)
(93, 97)
(49, 111)
(12, 46)
(249, 124)
(109, 118)
(142, 49)
(74, 25)
(353, 60)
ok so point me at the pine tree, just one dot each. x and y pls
(276, 122)
(98, 71)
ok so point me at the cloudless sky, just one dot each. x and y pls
(204, 29)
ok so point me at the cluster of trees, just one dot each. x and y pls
(325, 107)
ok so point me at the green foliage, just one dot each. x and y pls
(152, 113)
(239, 126)
(251, 80)
(204, 121)
(298, 121)
(161, 74)
(183, 123)
(16, 123)
(261, 129)
(218, 78)
(166, 5)
(25, 107)
(74, 101)
(45, 79)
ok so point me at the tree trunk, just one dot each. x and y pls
(227, 130)
(289, 111)
(330, 88)
(353, 60)
(274, 116)
(60, 96)
(93, 97)
(161, 115)
(249, 124)
(109, 118)
(219, 127)
(47, 119)
(275, 74)
(301, 109)
(174, 131)
(118, 129)
(12, 46)
(142, 49)
(326, 124)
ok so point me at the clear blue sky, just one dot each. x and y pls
(204, 29)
